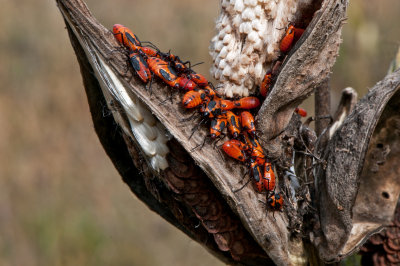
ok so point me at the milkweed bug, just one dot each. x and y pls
(194, 98)
(210, 91)
(235, 149)
(300, 111)
(255, 149)
(247, 122)
(218, 124)
(266, 83)
(163, 70)
(175, 61)
(211, 108)
(255, 170)
(185, 84)
(269, 176)
(247, 103)
(140, 65)
(227, 104)
(199, 79)
(149, 51)
(297, 34)
(287, 40)
(126, 37)
(233, 124)
(275, 201)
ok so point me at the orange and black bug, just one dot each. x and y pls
(199, 79)
(149, 51)
(247, 103)
(126, 37)
(255, 170)
(235, 149)
(226, 104)
(266, 83)
(140, 65)
(175, 61)
(297, 34)
(255, 149)
(269, 176)
(194, 98)
(209, 90)
(287, 41)
(185, 84)
(233, 124)
(164, 71)
(211, 108)
(218, 125)
(275, 201)
(247, 122)
(300, 111)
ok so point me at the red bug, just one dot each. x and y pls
(300, 111)
(140, 65)
(287, 40)
(126, 37)
(247, 103)
(218, 124)
(210, 91)
(275, 201)
(175, 62)
(163, 70)
(227, 104)
(149, 51)
(235, 149)
(297, 34)
(256, 172)
(194, 98)
(185, 84)
(255, 149)
(233, 124)
(247, 122)
(269, 176)
(211, 108)
(199, 79)
(266, 83)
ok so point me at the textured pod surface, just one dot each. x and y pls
(194, 189)
(355, 198)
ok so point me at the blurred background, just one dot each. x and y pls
(61, 200)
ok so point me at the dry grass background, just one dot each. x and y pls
(61, 200)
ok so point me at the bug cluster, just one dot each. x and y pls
(148, 61)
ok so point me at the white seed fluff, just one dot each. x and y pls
(247, 42)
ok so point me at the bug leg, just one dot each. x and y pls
(189, 118)
(248, 181)
(201, 145)
(221, 137)
(197, 127)
(149, 88)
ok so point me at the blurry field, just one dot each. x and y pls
(61, 200)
